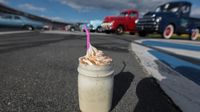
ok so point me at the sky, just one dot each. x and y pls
(86, 10)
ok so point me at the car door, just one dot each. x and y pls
(184, 20)
(17, 21)
(131, 21)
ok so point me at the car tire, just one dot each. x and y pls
(132, 33)
(28, 27)
(142, 34)
(92, 31)
(107, 32)
(99, 29)
(168, 31)
(194, 34)
(72, 29)
(120, 30)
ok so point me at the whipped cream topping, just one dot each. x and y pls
(95, 57)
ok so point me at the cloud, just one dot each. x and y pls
(195, 12)
(3, 1)
(102, 4)
(32, 7)
(116, 5)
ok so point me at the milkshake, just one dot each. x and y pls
(95, 81)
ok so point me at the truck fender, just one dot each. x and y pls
(165, 24)
(191, 27)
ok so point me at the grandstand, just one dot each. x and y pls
(53, 23)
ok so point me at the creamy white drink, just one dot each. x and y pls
(95, 81)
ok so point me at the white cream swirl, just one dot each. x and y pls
(95, 57)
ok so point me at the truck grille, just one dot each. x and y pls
(150, 21)
(147, 23)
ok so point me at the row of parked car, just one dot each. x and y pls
(92, 26)
(168, 19)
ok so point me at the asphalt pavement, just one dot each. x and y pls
(38, 73)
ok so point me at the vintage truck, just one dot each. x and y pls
(125, 22)
(93, 26)
(168, 19)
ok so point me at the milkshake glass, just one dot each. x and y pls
(95, 82)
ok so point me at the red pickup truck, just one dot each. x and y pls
(125, 22)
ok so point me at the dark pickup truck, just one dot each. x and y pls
(170, 18)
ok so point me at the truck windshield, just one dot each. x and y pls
(123, 14)
(167, 8)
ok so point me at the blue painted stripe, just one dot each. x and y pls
(187, 69)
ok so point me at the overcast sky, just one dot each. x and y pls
(85, 10)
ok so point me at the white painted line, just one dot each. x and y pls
(13, 32)
(184, 92)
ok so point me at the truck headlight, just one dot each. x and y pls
(153, 15)
(158, 19)
(107, 24)
(136, 21)
(111, 23)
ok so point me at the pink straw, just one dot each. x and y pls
(88, 37)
